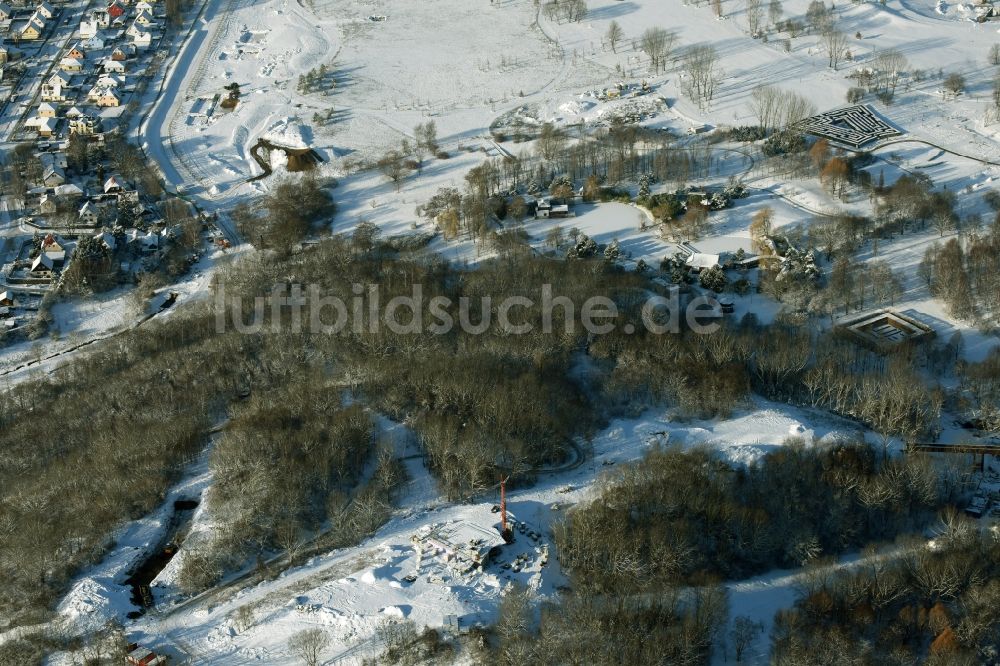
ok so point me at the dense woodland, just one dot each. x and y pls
(937, 606)
(646, 556)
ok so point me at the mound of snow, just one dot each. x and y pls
(289, 133)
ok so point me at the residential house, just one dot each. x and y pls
(59, 78)
(5, 12)
(26, 32)
(88, 29)
(4, 55)
(73, 113)
(101, 16)
(69, 191)
(76, 51)
(52, 93)
(119, 55)
(113, 185)
(95, 43)
(116, 9)
(47, 204)
(150, 242)
(71, 65)
(143, 6)
(107, 240)
(84, 125)
(45, 127)
(699, 261)
(145, 19)
(46, 110)
(88, 214)
(42, 266)
(46, 10)
(108, 81)
(142, 40)
(38, 21)
(107, 97)
(53, 159)
(53, 176)
(111, 66)
(51, 244)
(133, 30)
(7, 300)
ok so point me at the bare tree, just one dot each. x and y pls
(954, 85)
(755, 13)
(889, 66)
(614, 35)
(743, 634)
(308, 645)
(657, 44)
(836, 43)
(765, 102)
(995, 54)
(393, 165)
(701, 65)
(774, 11)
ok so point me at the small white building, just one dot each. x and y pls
(113, 66)
(89, 29)
(71, 65)
(699, 261)
(46, 10)
(88, 214)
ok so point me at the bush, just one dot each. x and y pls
(747, 133)
(855, 94)
(787, 142)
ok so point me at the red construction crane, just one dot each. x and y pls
(504, 529)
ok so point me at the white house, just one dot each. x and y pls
(143, 6)
(42, 265)
(142, 40)
(113, 185)
(101, 17)
(84, 125)
(68, 191)
(88, 214)
(52, 93)
(699, 261)
(59, 79)
(46, 10)
(104, 97)
(71, 65)
(145, 19)
(74, 112)
(108, 81)
(94, 43)
(113, 66)
(88, 29)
